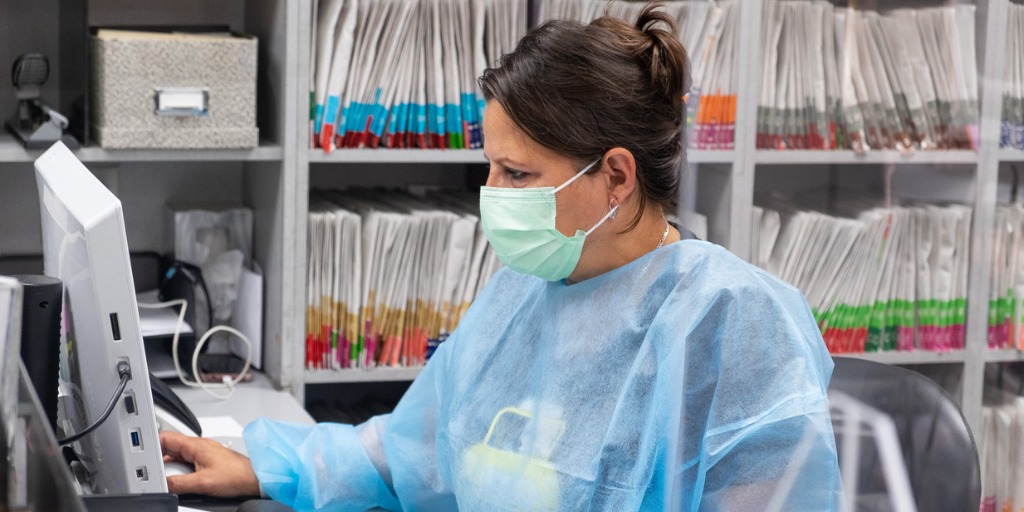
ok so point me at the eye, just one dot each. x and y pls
(515, 175)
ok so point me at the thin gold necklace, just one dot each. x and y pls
(664, 235)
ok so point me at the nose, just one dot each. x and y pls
(493, 177)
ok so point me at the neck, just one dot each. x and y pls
(607, 249)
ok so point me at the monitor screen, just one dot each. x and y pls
(84, 245)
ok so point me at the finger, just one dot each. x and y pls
(170, 443)
(183, 484)
(205, 452)
(191, 483)
(201, 482)
(178, 446)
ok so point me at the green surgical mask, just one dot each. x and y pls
(520, 225)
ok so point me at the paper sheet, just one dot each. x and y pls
(220, 426)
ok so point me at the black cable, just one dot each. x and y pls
(1016, 182)
(122, 369)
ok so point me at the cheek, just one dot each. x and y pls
(579, 208)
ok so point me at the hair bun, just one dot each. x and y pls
(668, 63)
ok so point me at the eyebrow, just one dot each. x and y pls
(506, 162)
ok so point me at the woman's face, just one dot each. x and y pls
(516, 161)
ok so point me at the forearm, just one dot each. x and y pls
(321, 467)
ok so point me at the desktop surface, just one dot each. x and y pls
(254, 399)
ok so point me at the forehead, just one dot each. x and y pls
(503, 139)
(501, 134)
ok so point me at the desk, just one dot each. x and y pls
(251, 400)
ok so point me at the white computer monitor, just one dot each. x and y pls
(84, 245)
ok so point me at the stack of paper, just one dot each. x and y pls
(402, 73)
(1005, 317)
(389, 275)
(708, 31)
(1012, 135)
(842, 78)
(1002, 471)
(891, 279)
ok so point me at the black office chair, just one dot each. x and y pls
(264, 506)
(269, 506)
(938, 448)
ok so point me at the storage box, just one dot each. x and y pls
(173, 90)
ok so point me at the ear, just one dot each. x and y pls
(621, 168)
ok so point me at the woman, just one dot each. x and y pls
(614, 366)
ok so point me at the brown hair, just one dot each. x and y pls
(581, 90)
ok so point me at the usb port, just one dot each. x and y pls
(136, 437)
(115, 328)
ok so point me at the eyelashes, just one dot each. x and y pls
(515, 174)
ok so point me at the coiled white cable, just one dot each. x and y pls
(205, 386)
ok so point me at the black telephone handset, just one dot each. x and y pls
(165, 398)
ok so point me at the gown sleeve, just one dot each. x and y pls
(337, 467)
(765, 435)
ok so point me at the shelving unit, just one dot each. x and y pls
(1010, 155)
(725, 182)
(703, 156)
(398, 156)
(845, 157)
(914, 357)
(275, 178)
(11, 151)
(262, 178)
(1008, 355)
(383, 374)
(982, 177)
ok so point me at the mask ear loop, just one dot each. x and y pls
(610, 214)
(574, 178)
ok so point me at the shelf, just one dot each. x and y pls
(384, 374)
(399, 156)
(910, 357)
(770, 157)
(11, 151)
(461, 156)
(704, 156)
(1003, 355)
(1010, 155)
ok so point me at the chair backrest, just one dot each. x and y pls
(938, 448)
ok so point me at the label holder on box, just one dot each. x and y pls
(182, 101)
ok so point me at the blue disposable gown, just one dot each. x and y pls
(684, 380)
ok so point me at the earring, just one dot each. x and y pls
(613, 208)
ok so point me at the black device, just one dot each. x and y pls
(42, 300)
(216, 367)
(35, 124)
(155, 502)
(182, 280)
(165, 398)
(40, 347)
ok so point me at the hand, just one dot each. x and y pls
(220, 471)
